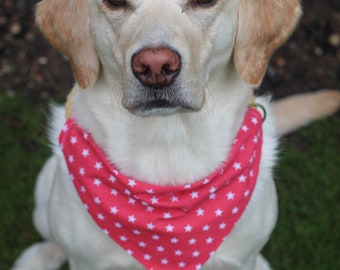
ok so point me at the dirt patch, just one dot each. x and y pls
(29, 66)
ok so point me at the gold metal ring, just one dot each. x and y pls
(261, 107)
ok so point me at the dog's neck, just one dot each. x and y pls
(164, 150)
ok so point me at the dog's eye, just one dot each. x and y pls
(204, 3)
(115, 4)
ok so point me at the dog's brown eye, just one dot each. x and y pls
(204, 2)
(115, 3)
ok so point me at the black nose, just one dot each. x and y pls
(156, 67)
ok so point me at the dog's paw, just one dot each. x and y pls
(40, 256)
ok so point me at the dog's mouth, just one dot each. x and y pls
(161, 107)
(158, 102)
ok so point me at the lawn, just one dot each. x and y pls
(307, 235)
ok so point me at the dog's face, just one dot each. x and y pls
(158, 54)
(161, 55)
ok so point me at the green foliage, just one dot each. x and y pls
(307, 234)
(23, 149)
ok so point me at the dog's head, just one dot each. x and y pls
(161, 55)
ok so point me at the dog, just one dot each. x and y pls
(163, 96)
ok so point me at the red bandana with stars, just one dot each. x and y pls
(165, 227)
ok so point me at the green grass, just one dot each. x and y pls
(307, 235)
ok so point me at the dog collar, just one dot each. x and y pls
(165, 227)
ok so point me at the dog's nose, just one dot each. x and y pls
(156, 67)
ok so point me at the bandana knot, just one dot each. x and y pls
(165, 227)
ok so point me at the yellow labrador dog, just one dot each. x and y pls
(166, 159)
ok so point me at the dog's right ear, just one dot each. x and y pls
(66, 24)
(263, 25)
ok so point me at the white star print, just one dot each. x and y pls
(112, 179)
(97, 200)
(123, 238)
(136, 232)
(85, 153)
(98, 165)
(188, 228)
(212, 190)
(222, 226)
(114, 192)
(149, 209)
(192, 241)
(209, 240)
(230, 195)
(132, 201)
(132, 182)
(164, 261)
(218, 212)
(194, 195)
(174, 240)
(246, 193)
(97, 182)
(71, 159)
(83, 189)
(169, 228)
(206, 228)
(132, 219)
(242, 178)
(65, 128)
(235, 210)
(200, 212)
(155, 237)
(118, 225)
(100, 217)
(254, 120)
(73, 140)
(154, 200)
(147, 257)
(167, 215)
(181, 265)
(114, 210)
(198, 267)
(196, 253)
(160, 249)
(82, 171)
(142, 244)
(206, 181)
(178, 252)
(245, 128)
(237, 166)
(255, 140)
(174, 199)
(150, 226)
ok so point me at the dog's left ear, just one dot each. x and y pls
(263, 25)
(66, 24)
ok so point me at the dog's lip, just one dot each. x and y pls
(160, 107)
(160, 103)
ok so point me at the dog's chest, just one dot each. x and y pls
(151, 221)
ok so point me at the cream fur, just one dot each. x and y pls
(163, 146)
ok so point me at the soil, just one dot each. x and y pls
(30, 67)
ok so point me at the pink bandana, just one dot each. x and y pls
(165, 227)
